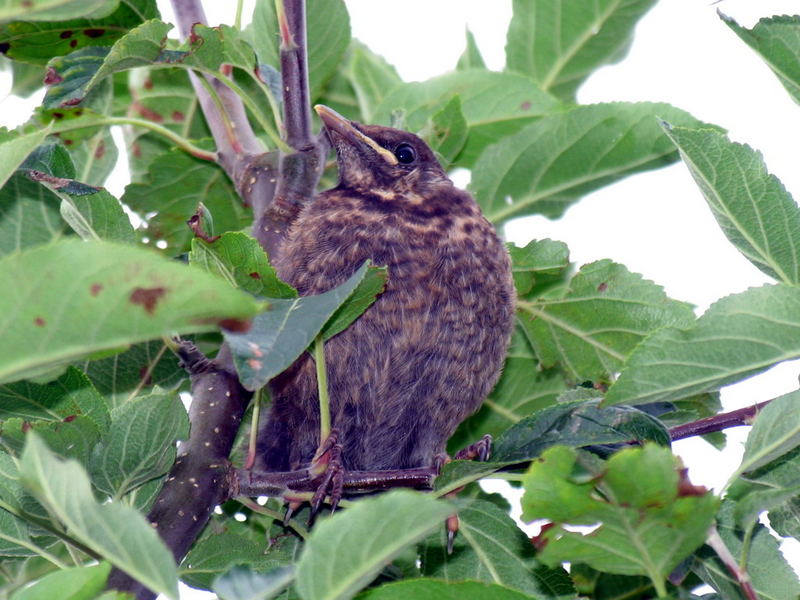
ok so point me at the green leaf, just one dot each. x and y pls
(50, 158)
(645, 526)
(242, 262)
(121, 376)
(39, 41)
(117, 533)
(738, 336)
(489, 547)
(771, 576)
(471, 57)
(593, 327)
(752, 207)
(539, 262)
(777, 40)
(240, 583)
(69, 396)
(560, 43)
(280, 334)
(328, 34)
(14, 149)
(29, 215)
(458, 473)
(749, 508)
(95, 157)
(49, 10)
(76, 583)
(576, 424)
(75, 75)
(776, 431)
(371, 77)
(27, 78)
(489, 116)
(345, 552)
(434, 589)
(448, 131)
(15, 534)
(140, 444)
(74, 298)
(176, 183)
(367, 291)
(74, 437)
(549, 164)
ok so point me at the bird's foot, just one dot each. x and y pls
(480, 451)
(328, 462)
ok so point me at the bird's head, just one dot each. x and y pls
(381, 160)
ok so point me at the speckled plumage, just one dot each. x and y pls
(428, 351)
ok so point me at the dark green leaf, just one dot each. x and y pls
(752, 207)
(560, 43)
(69, 396)
(74, 298)
(367, 291)
(576, 424)
(345, 552)
(118, 533)
(39, 41)
(140, 445)
(121, 376)
(549, 164)
(76, 74)
(176, 184)
(242, 262)
(600, 319)
(74, 437)
(280, 334)
(52, 159)
(738, 336)
(29, 215)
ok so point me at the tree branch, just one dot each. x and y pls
(735, 418)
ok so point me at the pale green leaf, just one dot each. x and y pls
(117, 533)
(549, 164)
(241, 583)
(604, 314)
(752, 207)
(76, 583)
(435, 589)
(52, 10)
(738, 336)
(777, 40)
(14, 149)
(559, 43)
(74, 298)
(346, 552)
(776, 431)
(471, 58)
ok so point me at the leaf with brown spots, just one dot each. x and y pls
(37, 42)
(144, 296)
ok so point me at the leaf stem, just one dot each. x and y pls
(718, 545)
(253, 439)
(237, 20)
(742, 416)
(34, 548)
(322, 386)
(180, 141)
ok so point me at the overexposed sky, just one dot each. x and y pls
(655, 223)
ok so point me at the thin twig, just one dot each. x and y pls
(735, 418)
(718, 545)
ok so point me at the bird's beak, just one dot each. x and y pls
(333, 121)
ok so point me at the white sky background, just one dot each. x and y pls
(655, 223)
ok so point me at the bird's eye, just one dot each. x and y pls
(405, 153)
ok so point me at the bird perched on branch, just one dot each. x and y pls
(424, 356)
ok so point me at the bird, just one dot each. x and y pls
(427, 352)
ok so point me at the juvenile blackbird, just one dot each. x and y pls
(428, 351)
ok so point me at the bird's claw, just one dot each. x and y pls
(329, 458)
(480, 450)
